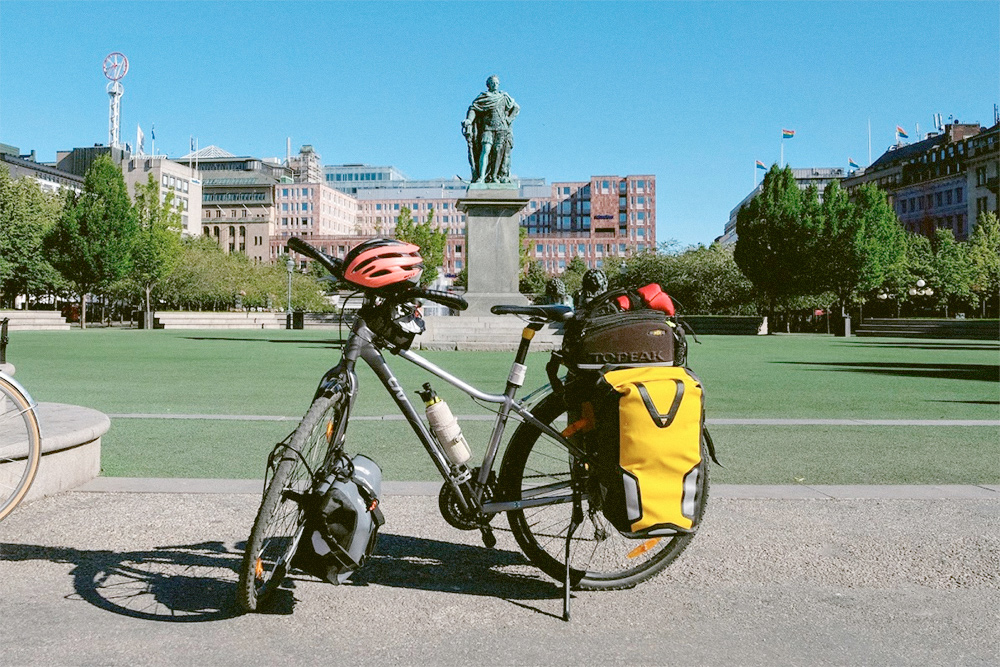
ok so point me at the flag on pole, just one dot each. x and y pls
(761, 165)
(900, 132)
(787, 134)
(140, 140)
(152, 132)
(852, 164)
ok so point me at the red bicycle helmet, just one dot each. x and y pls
(383, 262)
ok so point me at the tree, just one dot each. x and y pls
(91, 243)
(572, 276)
(157, 245)
(532, 281)
(26, 216)
(860, 242)
(984, 255)
(775, 247)
(701, 280)
(432, 242)
(953, 275)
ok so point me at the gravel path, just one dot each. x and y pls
(147, 578)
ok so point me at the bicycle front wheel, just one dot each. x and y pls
(20, 446)
(278, 527)
(601, 557)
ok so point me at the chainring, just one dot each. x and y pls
(452, 510)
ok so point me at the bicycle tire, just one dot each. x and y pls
(20, 446)
(278, 526)
(602, 558)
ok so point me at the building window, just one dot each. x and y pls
(539, 248)
(958, 195)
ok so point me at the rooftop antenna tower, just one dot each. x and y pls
(115, 67)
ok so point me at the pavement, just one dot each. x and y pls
(143, 572)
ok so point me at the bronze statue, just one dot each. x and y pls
(594, 284)
(487, 130)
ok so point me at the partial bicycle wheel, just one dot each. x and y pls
(20, 445)
(278, 527)
(601, 557)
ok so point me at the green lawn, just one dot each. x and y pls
(275, 372)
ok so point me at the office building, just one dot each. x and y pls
(238, 199)
(50, 179)
(179, 179)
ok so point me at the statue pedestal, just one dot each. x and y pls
(492, 254)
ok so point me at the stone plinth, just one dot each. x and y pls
(71, 449)
(492, 252)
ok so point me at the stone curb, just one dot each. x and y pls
(730, 491)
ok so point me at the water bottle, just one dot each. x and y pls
(445, 427)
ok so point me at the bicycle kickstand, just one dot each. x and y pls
(574, 523)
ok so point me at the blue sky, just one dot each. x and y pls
(693, 93)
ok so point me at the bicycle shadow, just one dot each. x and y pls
(180, 584)
(401, 561)
(190, 583)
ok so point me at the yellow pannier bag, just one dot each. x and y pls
(652, 489)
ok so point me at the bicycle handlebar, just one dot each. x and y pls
(332, 264)
(437, 296)
(336, 267)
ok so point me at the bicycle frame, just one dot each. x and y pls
(361, 345)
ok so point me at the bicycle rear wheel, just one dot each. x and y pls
(20, 446)
(601, 558)
(278, 526)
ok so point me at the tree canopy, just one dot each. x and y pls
(776, 239)
(859, 242)
(157, 247)
(91, 244)
(432, 241)
(26, 216)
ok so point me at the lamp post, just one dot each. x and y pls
(290, 265)
(920, 289)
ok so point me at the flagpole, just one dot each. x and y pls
(782, 150)
(869, 142)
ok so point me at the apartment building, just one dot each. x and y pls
(942, 181)
(560, 218)
(601, 221)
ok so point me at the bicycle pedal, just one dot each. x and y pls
(489, 539)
